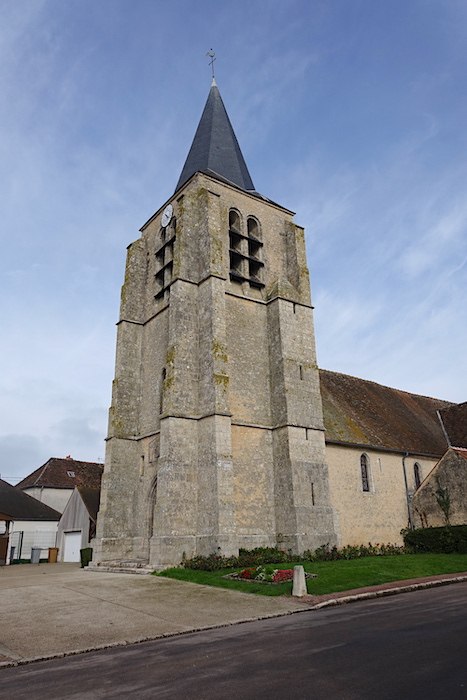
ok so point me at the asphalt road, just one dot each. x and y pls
(410, 646)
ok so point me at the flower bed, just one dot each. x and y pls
(265, 574)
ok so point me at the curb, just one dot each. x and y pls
(384, 592)
(141, 640)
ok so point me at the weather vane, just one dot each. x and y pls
(212, 56)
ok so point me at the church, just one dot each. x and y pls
(223, 433)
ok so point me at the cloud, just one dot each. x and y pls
(443, 238)
(20, 455)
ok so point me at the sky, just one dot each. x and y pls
(351, 113)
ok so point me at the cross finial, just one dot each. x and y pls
(212, 56)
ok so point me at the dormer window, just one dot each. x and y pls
(72, 474)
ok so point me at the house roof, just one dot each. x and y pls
(360, 412)
(454, 419)
(215, 147)
(64, 473)
(19, 506)
(91, 499)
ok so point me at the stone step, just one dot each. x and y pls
(120, 569)
(124, 566)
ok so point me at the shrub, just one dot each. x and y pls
(212, 562)
(246, 558)
(438, 540)
(253, 558)
(264, 555)
(326, 553)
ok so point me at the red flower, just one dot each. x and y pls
(283, 575)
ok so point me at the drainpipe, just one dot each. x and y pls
(409, 510)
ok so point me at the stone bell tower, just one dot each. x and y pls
(216, 436)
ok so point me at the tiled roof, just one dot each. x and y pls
(20, 506)
(215, 146)
(91, 499)
(357, 411)
(64, 474)
(455, 424)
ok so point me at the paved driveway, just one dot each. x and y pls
(51, 609)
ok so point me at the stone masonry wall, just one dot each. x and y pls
(450, 475)
(378, 515)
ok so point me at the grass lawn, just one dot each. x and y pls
(334, 576)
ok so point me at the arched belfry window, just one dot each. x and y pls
(245, 250)
(164, 258)
(417, 476)
(235, 247)
(365, 472)
(234, 222)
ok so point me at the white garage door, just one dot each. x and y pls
(72, 546)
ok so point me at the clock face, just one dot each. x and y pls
(167, 215)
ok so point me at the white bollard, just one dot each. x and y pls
(299, 582)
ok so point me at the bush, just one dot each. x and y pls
(326, 553)
(449, 539)
(271, 555)
(264, 555)
(246, 558)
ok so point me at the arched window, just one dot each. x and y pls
(364, 466)
(245, 250)
(417, 475)
(234, 221)
(164, 259)
(235, 247)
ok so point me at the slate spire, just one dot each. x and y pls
(215, 147)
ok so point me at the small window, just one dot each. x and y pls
(71, 473)
(365, 473)
(161, 400)
(417, 475)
